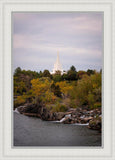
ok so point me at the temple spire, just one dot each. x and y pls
(57, 56)
(57, 65)
(58, 61)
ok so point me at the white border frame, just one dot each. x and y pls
(9, 153)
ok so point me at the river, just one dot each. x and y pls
(31, 131)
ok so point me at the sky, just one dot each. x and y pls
(38, 36)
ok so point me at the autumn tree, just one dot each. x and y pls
(65, 88)
(88, 90)
(41, 89)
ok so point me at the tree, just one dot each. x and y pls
(57, 78)
(90, 71)
(80, 74)
(19, 87)
(17, 71)
(46, 73)
(71, 75)
(41, 88)
(58, 72)
(100, 70)
(64, 76)
(65, 87)
(72, 68)
(88, 90)
(40, 74)
(56, 90)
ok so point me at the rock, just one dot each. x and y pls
(71, 109)
(87, 119)
(67, 120)
(36, 111)
(32, 115)
(84, 119)
(78, 115)
(21, 109)
(95, 123)
(74, 116)
(59, 115)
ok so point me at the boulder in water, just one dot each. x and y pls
(95, 123)
(59, 115)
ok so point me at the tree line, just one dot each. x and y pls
(72, 89)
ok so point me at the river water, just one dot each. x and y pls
(31, 131)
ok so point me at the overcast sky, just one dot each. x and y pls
(38, 36)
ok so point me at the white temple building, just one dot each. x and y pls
(57, 66)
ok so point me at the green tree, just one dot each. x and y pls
(58, 73)
(72, 68)
(88, 90)
(56, 90)
(17, 71)
(71, 75)
(57, 78)
(40, 74)
(46, 73)
(64, 76)
(90, 71)
(100, 70)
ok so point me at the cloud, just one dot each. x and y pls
(38, 36)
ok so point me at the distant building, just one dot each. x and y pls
(57, 66)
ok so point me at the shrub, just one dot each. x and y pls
(63, 108)
(19, 101)
(59, 108)
(57, 78)
(88, 90)
(56, 90)
(73, 103)
(97, 105)
(91, 100)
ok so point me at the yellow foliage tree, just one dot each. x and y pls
(20, 100)
(65, 87)
(41, 88)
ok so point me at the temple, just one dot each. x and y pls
(57, 66)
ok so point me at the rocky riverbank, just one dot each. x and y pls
(80, 115)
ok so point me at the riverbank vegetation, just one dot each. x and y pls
(58, 92)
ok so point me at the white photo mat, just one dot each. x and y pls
(7, 151)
